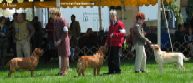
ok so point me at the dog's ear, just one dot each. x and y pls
(38, 51)
(152, 45)
(156, 47)
(103, 49)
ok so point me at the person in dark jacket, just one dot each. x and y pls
(37, 38)
(179, 38)
(51, 49)
(188, 39)
(75, 34)
(3, 40)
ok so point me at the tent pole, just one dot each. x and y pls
(168, 30)
(159, 23)
(58, 3)
(47, 9)
(33, 11)
(100, 17)
(122, 10)
(58, 7)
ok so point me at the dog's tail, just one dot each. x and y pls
(8, 64)
(185, 58)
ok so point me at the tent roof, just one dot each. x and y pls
(110, 2)
(22, 1)
(72, 3)
(27, 4)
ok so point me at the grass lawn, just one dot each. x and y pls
(46, 73)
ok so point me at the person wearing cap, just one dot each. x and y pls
(62, 41)
(115, 39)
(75, 34)
(139, 41)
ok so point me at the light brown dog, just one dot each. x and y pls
(162, 57)
(94, 61)
(28, 63)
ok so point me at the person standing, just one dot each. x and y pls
(179, 37)
(23, 33)
(62, 41)
(74, 33)
(115, 39)
(188, 40)
(37, 38)
(139, 41)
(3, 40)
(12, 43)
(51, 49)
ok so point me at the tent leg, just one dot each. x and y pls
(159, 23)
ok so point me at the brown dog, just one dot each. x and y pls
(94, 61)
(28, 63)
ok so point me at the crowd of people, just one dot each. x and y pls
(183, 38)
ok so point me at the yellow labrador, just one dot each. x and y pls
(162, 57)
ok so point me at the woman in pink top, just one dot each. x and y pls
(62, 41)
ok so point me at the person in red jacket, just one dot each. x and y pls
(115, 39)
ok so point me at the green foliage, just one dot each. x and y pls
(125, 45)
(175, 7)
(190, 8)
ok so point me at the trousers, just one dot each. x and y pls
(23, 48)
(114, 54)
(140, 59)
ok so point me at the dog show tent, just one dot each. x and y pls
(77, 3)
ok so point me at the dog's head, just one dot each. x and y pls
(155, 47)
(102, 49)
(38, 51)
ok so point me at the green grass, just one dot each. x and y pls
(47, 74)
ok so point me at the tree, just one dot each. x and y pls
(189, 9)
(175, 7)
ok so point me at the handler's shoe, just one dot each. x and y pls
(144, 71)
(62, 74)
(137, 72)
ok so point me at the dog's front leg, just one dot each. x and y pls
(79, 73)
(12, 69)
(83, 73)
(9, 73)
(32, 73)
(98, 70)
(95, 71)
(161, 67)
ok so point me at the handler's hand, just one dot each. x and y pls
(57, 43)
